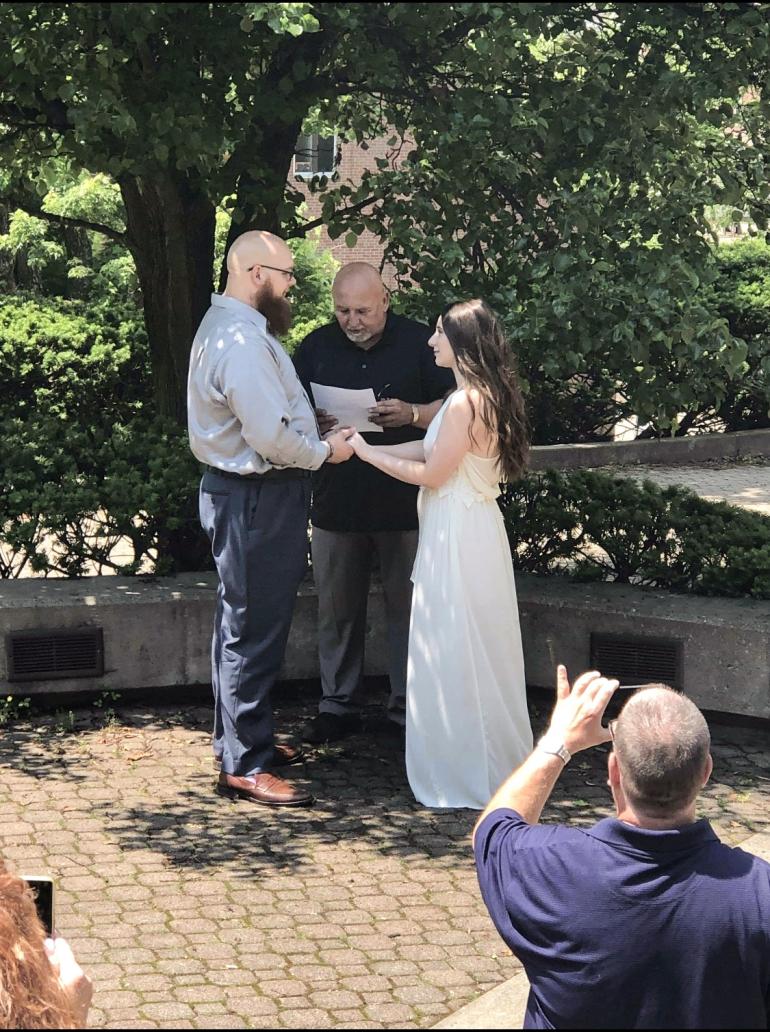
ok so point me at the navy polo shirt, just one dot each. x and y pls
(352, 495)
(620, 927)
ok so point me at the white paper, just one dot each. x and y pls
(350, 407)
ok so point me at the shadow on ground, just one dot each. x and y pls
(360, 784)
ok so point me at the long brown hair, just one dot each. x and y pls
(30, 994)
(486, 362)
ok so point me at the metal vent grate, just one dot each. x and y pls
(47, 655)
(637, 660)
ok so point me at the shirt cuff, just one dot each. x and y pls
(322, 455)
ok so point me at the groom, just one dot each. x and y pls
(252, 426)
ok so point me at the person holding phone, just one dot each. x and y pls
(359, 515)
(646, 919)
(41, 983)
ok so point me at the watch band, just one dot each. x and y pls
(554, 747)
(415, 414)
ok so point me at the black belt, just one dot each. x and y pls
(270, 474)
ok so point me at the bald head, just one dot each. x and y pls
(360, 303)
(260, 272)
(257, 247)
(357, 276)
(662, 748)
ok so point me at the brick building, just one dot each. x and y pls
(317, 155)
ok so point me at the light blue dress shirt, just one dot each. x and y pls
(247, 411)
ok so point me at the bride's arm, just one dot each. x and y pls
(451, 445)
(408, 450)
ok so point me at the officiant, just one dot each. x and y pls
(359, 515)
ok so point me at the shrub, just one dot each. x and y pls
(591, 526)
(741, 293)
(85, 463)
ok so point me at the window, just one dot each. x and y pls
(315, 155)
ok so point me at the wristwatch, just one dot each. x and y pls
(415, 414)
(555, 747)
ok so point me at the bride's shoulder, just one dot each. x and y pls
(464, 398)
(465, 401)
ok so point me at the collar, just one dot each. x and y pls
(232, 304)
(675, 840)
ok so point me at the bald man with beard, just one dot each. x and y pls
(253, 428)
(360, 516)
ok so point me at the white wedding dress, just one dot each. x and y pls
(467, 725)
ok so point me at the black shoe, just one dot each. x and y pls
(329, 727)
(387, 728)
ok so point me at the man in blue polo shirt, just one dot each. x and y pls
(645, 920)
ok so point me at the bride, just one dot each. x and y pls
(467, 724)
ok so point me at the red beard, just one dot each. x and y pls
(277, 311)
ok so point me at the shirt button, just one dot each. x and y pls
(363, 365)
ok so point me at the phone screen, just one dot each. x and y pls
(42, 890)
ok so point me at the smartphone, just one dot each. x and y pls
(42, 890)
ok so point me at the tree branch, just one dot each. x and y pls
(304, 230)
(55, 112)
(67, 220)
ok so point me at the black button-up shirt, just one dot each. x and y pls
(352, 495)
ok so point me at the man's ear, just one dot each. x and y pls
(709, 769)
(613, 771)
(387, 299)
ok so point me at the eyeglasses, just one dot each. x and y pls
(289, 273)
(611, 728)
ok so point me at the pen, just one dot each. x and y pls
(382, 391)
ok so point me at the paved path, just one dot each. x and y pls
(744, 484)
(190, 911)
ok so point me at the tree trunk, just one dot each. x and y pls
(170, 229)
(260, 199)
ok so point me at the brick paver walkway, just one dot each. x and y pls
(191, 911)
(743, 484)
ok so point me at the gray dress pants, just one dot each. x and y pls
(342, 563)
(258, 534)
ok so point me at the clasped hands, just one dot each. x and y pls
(388, 412)
(344, 442)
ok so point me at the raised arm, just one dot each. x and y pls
(451, 445)
(576, 724)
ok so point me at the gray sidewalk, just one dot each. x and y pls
(744, 484)
(191, 911)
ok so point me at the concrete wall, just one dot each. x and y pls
(670, 451)
(157, 633)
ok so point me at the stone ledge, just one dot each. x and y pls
(670, 451)
(157, 633)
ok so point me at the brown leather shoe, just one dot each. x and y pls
(283, 756)
(264, 788)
